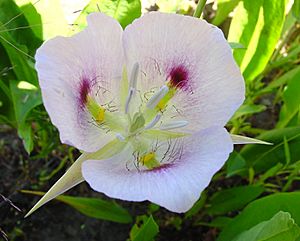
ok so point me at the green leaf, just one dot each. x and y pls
(257, 25)
(233, 199)
(25, 97)
(224, 7)
(125, 11)
(248, 109)
(296, 9)
(280, 227)
(262, 210)
(282, 80)
(263, 157)
(219, 222)
(234, 45)
(19, 45)
(93, 207)
(52, 14)
(235, 164)
(146, 232)
(291, 99)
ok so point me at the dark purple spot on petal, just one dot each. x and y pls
(179, 77)
(84, 90)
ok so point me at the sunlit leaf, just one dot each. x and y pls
(256, 25)
(224, 7)
(125, 11)
(262, 210)
(94, 207)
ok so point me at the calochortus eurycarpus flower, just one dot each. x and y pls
(146, 105)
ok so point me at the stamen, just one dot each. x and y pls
(153, 122)
(156, 98)
(134, 75)
(120, 137)
(174, 125)
(132, 85)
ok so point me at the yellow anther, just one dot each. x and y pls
(148, 157)
(100, 115)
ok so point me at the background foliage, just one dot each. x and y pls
(254, 197)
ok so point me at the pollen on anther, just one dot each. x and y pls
(179, 77)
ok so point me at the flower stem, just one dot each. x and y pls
(199, 9)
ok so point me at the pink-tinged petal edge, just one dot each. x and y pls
(70, 68)
(176, 186)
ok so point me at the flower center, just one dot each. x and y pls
(143, 121)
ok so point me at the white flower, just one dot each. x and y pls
(155, 97)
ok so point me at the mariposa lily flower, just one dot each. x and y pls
(147, 106)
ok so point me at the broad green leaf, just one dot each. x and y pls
(146, 232)
(296, 9)
(73, 176)
(15, 24)
(224, 7)
(282, 80)
(235, 164)
(218, 222)
(25, 97)
(291, 99)
(19, 45)
(280, 227)
(262, 210)
(263, 157)
(233, 199)
(93, 207)
(52, 14)
(257, 25)
(248, 110)
(34, 19)
(125, 11)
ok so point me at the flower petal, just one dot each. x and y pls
(70, 69)
(176, 186)
(192, 56)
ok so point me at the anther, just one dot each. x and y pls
(155, 99)
(153, 122)
(174, 125)
(132, 85)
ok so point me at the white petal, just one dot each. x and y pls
(93, 57)
(176, 187)
(164, 44)
(236, 139)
